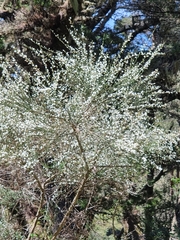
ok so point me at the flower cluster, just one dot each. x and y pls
(83, 109)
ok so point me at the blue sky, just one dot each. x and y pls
(143, 40)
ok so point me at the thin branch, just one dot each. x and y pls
(113, 166)
(39, 208)
(105, 19)
(82, 152)
(63, 222)
(42, 189)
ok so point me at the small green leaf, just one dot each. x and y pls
(75, 6)
(175, 181)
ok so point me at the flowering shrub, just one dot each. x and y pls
(85, 116)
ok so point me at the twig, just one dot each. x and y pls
(87, 171)
(42, 189)
(63, 222)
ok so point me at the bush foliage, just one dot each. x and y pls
(78, 122)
